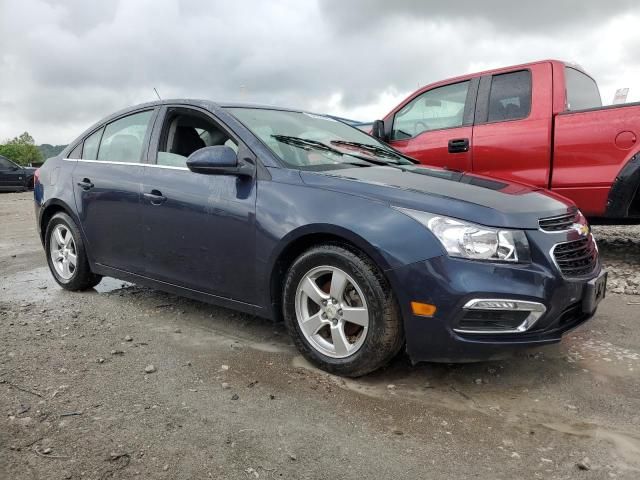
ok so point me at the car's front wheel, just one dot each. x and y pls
(341, 312)
(66, 254)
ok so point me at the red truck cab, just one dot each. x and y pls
(539, 123)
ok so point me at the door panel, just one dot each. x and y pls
(202, 236)
(432, 148)
(110, 212)
(199, 229)
(107, 183)
(505, 145)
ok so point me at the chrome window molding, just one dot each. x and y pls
(136, 164)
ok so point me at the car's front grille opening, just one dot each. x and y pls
(492, 320)
(559, 222)
(576, 258)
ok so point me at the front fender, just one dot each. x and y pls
(389, 237)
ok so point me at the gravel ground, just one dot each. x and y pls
(127, 382)
(620, 247)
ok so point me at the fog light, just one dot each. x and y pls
(423, 309)
(499, 315)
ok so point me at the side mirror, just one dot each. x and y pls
(378, 131)
(219, 160)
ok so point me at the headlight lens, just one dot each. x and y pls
(477, 242)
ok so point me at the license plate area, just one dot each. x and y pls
(595, 290)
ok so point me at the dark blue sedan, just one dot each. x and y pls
(291, 215)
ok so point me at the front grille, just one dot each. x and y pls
(559, 222)
(576, 258)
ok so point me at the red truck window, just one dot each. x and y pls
(440, 108)
(582, 90)
(510, 97)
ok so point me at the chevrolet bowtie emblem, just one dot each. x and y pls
(581, 228)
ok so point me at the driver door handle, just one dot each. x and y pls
(155, 197)
(458, 145)
(85, 184)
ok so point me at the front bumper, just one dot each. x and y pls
(450, 284)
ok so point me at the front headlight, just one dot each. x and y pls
(477, 242)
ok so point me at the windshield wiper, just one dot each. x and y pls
(308, 144)
(305, 143)
(382, 152)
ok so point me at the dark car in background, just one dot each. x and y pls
(292, 215)
(13, 177)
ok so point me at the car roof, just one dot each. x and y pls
(204, 103)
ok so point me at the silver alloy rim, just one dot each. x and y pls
(332, 312)
(62, 249)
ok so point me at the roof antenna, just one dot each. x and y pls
(154, 89)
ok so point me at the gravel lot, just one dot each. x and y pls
(127, 382)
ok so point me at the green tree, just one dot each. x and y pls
(23, 139)
(21, 149)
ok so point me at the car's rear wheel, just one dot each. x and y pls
(66, 254)
(341, 312)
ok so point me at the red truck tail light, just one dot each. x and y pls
(36, 176)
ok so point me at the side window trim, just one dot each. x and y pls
(484, 94)
(468, 112)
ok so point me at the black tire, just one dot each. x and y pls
(83, 278)
(385, 334)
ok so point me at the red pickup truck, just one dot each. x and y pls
(540, 123)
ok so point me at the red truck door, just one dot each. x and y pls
(435, 126)
(512, 133)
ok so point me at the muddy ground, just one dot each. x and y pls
(230, 398)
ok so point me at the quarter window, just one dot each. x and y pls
(91, 143)
(582, 90)
(510, 97)
(123, 139)
(76, 152)
(442, 107)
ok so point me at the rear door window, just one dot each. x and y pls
(123, 140)
(436, 109)
(510, 96)
(582, 90)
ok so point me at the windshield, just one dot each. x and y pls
(314, 142)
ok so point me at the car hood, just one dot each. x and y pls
(466, 196)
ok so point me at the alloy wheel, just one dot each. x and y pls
(332, 312)
(63, 252)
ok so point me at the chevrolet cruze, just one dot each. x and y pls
(291, 215)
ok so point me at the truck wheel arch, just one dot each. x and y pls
(624, 196)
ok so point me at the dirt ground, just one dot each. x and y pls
(230, 398)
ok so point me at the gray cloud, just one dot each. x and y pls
(66, 64)
(502, 15)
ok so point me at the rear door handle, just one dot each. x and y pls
(459, 145)
(85, 184)
(155, 197)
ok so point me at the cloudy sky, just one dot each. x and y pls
(66, 64)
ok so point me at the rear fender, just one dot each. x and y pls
(624, 196)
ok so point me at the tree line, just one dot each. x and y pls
(23, 150)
